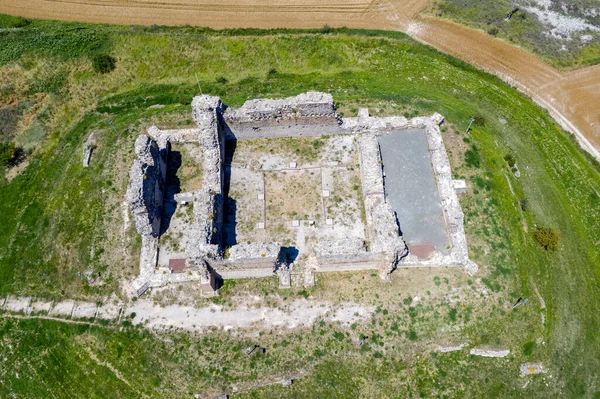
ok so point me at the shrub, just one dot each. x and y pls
(7, 21)
(479, 120)
(8, 121)
(547, 237)
(472, 157)
(523, 203)
(221, 80)
(493, 31)
(528, 348)
(510, 159)
(10, 155)
(326, 29)
(103, 63)
(272, 72)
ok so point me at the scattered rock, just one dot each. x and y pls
(531, 368)
(88, 148)
(490, 353)
(445, 349)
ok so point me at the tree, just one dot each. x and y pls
(103, 63)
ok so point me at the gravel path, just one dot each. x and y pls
(298, 313)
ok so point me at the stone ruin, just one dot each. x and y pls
(311, 114)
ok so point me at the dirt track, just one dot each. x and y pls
(573, 98)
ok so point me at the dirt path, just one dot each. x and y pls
(572, 98)
(299, 313)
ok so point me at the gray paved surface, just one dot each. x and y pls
(411, 189)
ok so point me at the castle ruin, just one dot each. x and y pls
(262, 204)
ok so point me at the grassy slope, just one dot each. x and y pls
(526, 30)
(50, 213)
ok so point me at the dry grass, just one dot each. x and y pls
(293, 195)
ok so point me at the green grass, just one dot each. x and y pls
(526, 30)
(58, 218)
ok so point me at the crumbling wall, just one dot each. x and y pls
(146, 185)
(205, 237)
(144, 195)
(453, 215)
(382, 228)
(292, 116)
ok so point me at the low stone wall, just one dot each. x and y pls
(292, 116)
(382, 227)
(339, 263)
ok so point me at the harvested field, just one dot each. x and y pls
(571, 97)
(225, 14)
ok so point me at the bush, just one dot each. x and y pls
(326, 29)
(547, 237)
(523, 203)
(7, 21)
(10, 155)
(510, 160)
(493, 31)
(479, 120)
(221, 80)
(472, 157)
(104, 63)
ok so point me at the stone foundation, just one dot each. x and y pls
(309, 114)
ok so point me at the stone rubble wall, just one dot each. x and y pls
(208, 202)
(243, 252)
(490, 353)
(352, 246)
(311, 108)
(382, 227)
(146, 185)
(144, 195)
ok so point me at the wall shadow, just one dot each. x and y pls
(229, 237)
(172, 187)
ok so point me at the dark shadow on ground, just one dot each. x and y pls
(230, 208)
(172, 187)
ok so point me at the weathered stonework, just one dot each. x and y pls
(309, 114)
(146, 186)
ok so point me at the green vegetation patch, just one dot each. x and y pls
(59, 218)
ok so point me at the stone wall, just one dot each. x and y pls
(453, 215)
(208, 202)
(292, 116)
(146, 185)
(144, 195)
(382, 227)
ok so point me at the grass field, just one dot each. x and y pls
(59, 218)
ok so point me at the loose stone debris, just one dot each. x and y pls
(445, 349)
(531, 368)
(490, 353)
